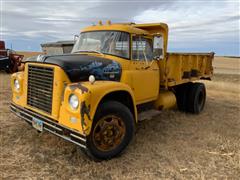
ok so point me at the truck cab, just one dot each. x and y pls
(92, 96)
(132, 49)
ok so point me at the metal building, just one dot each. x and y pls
(59, 47)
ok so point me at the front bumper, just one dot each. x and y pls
(50, 125)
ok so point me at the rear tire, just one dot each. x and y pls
(182, 96)
(196, 98)
(112, 130)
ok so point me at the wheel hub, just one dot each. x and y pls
(108, 132)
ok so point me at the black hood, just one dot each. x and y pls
(80, 66)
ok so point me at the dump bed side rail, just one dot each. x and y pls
(185, 67)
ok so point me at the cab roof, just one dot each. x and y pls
(132, 28)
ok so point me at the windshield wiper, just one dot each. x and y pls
(90, 51)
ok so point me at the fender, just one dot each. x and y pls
(90, 95)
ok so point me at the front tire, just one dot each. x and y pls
(112, 130)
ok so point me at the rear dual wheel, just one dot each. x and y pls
(191, 97)
(182, 96)
(196, 98)
(112, 130)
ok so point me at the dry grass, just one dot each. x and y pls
(226, 65)
(172, 145)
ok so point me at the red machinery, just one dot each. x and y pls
(10, 61)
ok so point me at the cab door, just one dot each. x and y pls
(144, 70)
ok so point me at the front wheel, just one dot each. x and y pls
(112, 130)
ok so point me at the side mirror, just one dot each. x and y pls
(76, 37)
(158, 47)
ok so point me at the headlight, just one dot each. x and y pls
(17, 84)
(73, 101)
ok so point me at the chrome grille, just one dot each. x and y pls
(40, 87)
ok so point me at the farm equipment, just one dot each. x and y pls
(10, 61)
(92, 96)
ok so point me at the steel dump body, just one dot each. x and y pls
(179, 68)
(185, 67)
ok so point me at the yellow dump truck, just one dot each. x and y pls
(92, 96)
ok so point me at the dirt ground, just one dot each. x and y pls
(172, 145)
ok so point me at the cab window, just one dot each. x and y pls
(107, 42)
(141, 48)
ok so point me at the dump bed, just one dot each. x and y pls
(185, 67)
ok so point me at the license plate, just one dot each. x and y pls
(37, 124)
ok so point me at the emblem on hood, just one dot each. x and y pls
(41, 58)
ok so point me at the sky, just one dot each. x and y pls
(194, 25)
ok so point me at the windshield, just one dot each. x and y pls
(106, 42)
